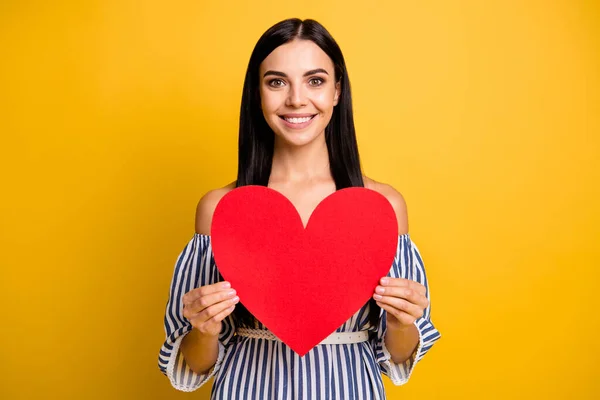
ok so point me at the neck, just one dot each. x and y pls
(305, 163)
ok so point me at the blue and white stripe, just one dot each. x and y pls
(249, 368)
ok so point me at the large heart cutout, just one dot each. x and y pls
(303, 283)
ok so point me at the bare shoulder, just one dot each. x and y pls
(206, 208)
(396, 200)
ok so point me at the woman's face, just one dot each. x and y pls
(298, 91)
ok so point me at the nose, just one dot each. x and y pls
(296, 96)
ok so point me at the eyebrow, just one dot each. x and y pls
(307, 73)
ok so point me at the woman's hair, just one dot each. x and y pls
(256, 139)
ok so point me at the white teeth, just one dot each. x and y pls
(298, 120)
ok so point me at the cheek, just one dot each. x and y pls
(270, 101)
(324, 101)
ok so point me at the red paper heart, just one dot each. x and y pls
(303, 284)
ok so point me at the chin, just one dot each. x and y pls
(297, 139)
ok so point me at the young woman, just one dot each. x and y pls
(297, 137)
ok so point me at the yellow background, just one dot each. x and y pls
(116, 116)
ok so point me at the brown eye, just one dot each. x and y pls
(315, 82)
(276, 83)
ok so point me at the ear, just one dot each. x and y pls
(338, 92)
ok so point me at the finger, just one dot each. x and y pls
(402, 305)
(402, 292)
(206, 301)
(194, 294)
(208, 313)
(222, 315)
(401, 282)
(404, 318)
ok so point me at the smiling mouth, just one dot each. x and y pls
(297, 120)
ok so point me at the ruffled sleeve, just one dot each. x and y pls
(195, 267)
(407, 264)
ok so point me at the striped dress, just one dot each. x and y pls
(249, 368)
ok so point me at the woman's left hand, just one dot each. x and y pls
(404, 300)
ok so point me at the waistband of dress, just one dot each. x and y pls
(334, 338)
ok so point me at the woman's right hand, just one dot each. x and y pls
(206, 306)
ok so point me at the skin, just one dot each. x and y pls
(300, 171)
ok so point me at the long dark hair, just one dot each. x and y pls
(256, 139)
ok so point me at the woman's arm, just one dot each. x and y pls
(206, 307)
(401, 342)
(200, 351)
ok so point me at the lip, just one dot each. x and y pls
(297, 115)
(297, 126)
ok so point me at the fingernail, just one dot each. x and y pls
(235, 299)
(226, 285)
(231, 293)
(377, 297)
(384, 281)
(380, 290)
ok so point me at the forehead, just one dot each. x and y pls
(297, 56)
